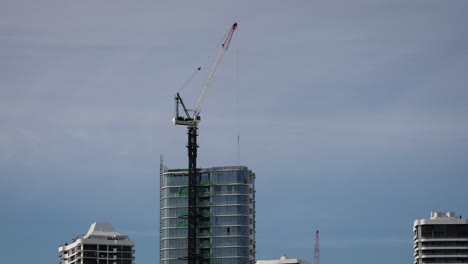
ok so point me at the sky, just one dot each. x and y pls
(352, 114)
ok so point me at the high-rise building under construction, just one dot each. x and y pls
(225, 217)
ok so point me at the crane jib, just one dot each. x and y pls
(194, 118)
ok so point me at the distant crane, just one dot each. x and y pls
(317, 249)
(191, 121)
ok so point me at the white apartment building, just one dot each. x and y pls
(101, 245)
(443, 238)
(283, 260)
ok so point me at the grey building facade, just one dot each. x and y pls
(226, 209)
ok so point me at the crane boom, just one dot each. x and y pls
(219, 59)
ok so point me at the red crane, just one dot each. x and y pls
(317, 249)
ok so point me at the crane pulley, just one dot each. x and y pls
(193, 118)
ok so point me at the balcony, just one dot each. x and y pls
(204, 204)
(183, 215)
(205, 183)
(204, 214)
(204, 224)
(205, 245)
(182, 224)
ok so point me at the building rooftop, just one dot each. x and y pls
(284, 259)
(441, 218)
(102, 230)
(219, 168)
(99, 233)
(435, 215)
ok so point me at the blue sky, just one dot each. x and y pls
(352, 116)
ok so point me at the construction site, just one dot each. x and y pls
(207, 215)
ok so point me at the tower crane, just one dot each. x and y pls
(191, 120)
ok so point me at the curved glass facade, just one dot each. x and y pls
(226, 223)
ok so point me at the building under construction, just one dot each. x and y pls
(207, 215)
(225, 222)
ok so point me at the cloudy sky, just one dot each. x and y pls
(352, 114)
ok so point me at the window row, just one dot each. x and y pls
(174, 243)
(232, 260)
(216, 177)
(230, 189)
(230, 231)
(182, 190)
(213, 211)
(95, 247)
(445, 260)
(210, 232)
(226, 177)
(445, 244)
(103, 261)
(213, 260)
(95, 254)
(214, 221)
(445, 252)
(174, 201)
(211, 243)
(174, 253)
(447, 231)
(218, 252)
(231, 252)
(230, 241)
(211, 201)
(230, 210)
(230, 199)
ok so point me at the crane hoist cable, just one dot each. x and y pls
(190, 78)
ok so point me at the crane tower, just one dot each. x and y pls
(191, 120)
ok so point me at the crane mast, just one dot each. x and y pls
(191, 121)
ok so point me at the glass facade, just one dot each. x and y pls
(226, 209)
